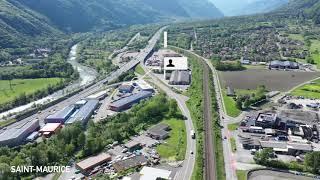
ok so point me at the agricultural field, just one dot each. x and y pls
(20, 86)
(174, 148)
(315, 51)
(311, 90)
(273, 80)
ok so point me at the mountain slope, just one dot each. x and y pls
(246, 7)
(83, 15)
(16, 21)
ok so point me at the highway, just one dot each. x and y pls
(185, 172)
(95, 87)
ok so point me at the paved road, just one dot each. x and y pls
(185, 172)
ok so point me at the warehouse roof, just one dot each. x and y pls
(130, 163)
(62, 114)
(149, 173)
(132, 144)
(50, 127)
(98, 95)
(17, 129)
(84, 112)
(131, 99)
(93, 161)
(284, 63)
(143, 84)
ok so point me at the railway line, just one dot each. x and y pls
(209, 149)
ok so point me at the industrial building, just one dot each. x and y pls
(84, 113)
(50, 128)
(180, 78)
(126, 88)
(159, 131)
(16, 134)
(88, 164)
(80, 111)
(127, 102)
(133, 145)
(100, 95)
(61, 116)
(149, 173)
(143, 85)
(130, 163)
(283, 65)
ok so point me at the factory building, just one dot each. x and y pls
(283, 65)
(61, 116)
(159, 131)
(84, 113)
(131, 162)
(143, 85)
(50, 129)
(88, 164)
(126, 88)
(180, 78)
(150, 173)
(127, 102)
(16, 134)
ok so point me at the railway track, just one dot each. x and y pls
(209, 149)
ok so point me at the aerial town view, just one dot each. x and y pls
(160, 90)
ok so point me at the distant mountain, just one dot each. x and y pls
(246, 7)
(83, 15)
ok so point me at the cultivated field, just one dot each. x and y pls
(311, 90)
(19, 86)
(272, 79)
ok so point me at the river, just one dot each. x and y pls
(86, 74)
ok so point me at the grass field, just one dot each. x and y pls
(315, 45)
(19, 86)
(174, 148)
(230, 105)
(233, 127)
(298, 37)
(138, 69)
(308, 90)
(242, 175)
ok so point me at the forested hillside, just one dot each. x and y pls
(17, 21)
(305, 8)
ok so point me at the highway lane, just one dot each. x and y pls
(185, 172)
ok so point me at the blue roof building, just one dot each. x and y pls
(84, 113)
(127, 102)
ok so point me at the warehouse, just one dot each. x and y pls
(84, 113)
(127, 102)
(159, 131)
(50, 129)
(126, 88)
(283, 65)
(144, 86)
(180, 78)
(60, 116)
(88, 164)
(16, 134)
(130, 163)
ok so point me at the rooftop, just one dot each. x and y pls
(62, 114)
(149, 173)
(50, 127)
(130, 163)
(84, 112)
(17, 129)
(132, 98)
(93, 161)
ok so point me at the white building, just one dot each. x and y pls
(149, 173)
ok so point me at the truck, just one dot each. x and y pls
(193, 134)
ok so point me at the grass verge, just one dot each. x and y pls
(311, 90)
(230, 105)
(242, 175)
(174, 148)
(233, 127)
(138, 69)
(233, 144)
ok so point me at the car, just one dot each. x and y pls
(225, 137)
(191, 152)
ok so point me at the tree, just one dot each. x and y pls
(263, 156)
(312, 160)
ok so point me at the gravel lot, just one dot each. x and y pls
(275, 175)
(274, 80)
